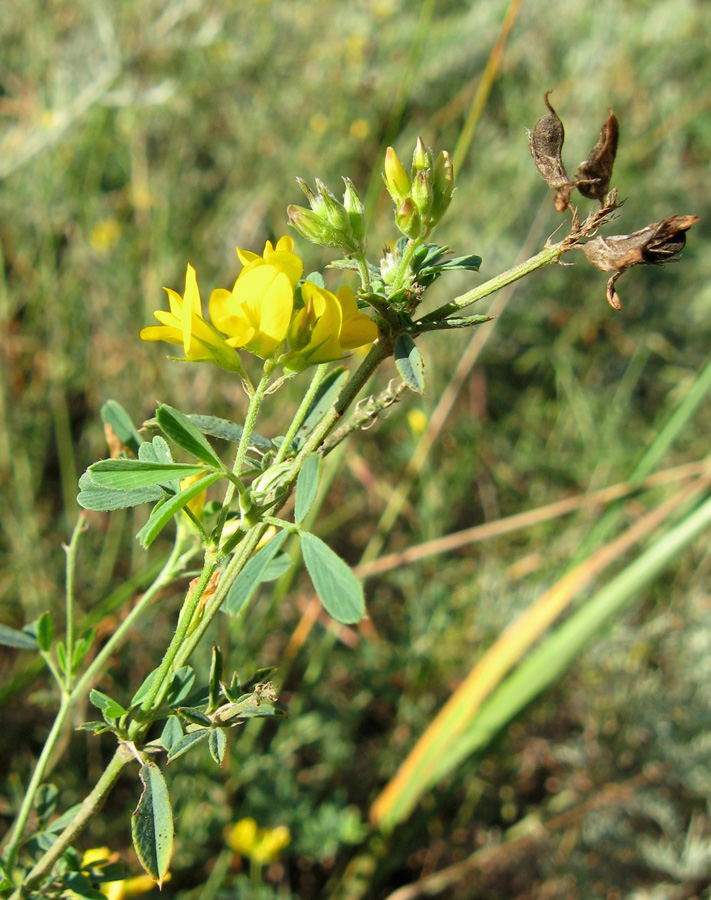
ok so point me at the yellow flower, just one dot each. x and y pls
(118, 890)
(185, 325)
(256, 313)
(263, 845)
(327, 326)
(281, 257)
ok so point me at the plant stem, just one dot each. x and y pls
(69, 700)
(547, 256)
(90, 806)
(364, 272)
(255, 402)
(316, 382)
(380, 350)
(71, 551)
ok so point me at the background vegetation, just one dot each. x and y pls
(141, 135)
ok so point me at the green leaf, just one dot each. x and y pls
(194, 716)
(338, 589)
(328, 391)
(187, 742)
(121, 474)
(172, 733)
(251, 576)
(156, 451)
(408, 361)
(109, 707)
(10, 637)
(180, 686)
(307, 486)
(228, 431)
(182, 432)
(116, 417)
(102, 499)
(281, 563)
(217, 743)
(143, 690)
(162, 513)
(152, 824)
(263, 711)
(61, 652)
(45, 631)
(215, 677)
(45, 802)
(86, 639)
(61, 823)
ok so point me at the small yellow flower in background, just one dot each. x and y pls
(105, 235)
(185, 325)
(262, 845)
(197, 503)
(256, 313)
(327, 326)
(417, 421)
(118, 890)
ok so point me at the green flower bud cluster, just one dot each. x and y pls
(422, 197)
(330, 223)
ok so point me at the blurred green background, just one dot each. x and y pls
(139, 136)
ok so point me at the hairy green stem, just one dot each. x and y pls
(68, 701)
(547, 256)
(316, 382)
(71, 552)
(89, 807)
(255, 402)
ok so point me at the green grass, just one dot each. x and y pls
(174, 132)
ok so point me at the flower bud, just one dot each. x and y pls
(442, 186)
(422, 193)
(334, 210)
(422, 160)
(407, 219)
(396, 179)
(355, 209)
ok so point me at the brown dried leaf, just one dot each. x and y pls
(546, 143)
(593, 176)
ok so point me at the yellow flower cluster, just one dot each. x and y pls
(259, 315)
(261, 845)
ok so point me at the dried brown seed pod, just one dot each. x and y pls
(593, 175)
(651, 246)
(546, 143)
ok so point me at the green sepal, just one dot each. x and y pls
(179, 429)
(409, 363)
(339, 591)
